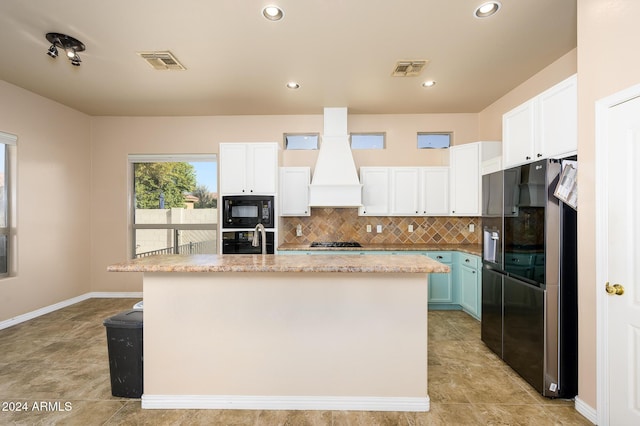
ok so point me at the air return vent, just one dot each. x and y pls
(162, 60)
(409, 68)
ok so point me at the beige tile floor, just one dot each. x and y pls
(62, 358)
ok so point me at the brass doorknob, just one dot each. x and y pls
(614, 289)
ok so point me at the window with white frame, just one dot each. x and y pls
(174, 204)
(301, 141)
(434, 140)
(368, 140)
(7, 204)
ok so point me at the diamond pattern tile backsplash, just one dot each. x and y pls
(328, 224)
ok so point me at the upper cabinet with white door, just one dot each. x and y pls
(434, 191)
(464, 179)
(405, 187)
(294, 191)
(248, 168)
(404, 191)
(375, 191)
(542, 127)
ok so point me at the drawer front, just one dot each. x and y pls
(469, 261)
(442, 257)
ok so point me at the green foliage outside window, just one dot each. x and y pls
(206, 199)
(163, 184)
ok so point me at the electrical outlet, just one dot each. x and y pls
(368, 228)
(472, 227)
(379, 229)
(410, 228)
(299, 230)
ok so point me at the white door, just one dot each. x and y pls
(620, 331)
(464, 161)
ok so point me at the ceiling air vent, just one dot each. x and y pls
(409, 68)
(162, 60)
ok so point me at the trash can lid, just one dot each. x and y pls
(127, 319)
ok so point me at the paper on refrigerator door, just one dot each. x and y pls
(567, 188)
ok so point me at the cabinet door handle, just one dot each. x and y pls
(539, 155)
(527, 158)
(438, 257)
(467, 260)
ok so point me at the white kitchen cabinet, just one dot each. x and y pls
(558, 124)
(464, 179)
(543, 127)
(375, 191)
(434, 191)
(248, 168)
(519, 134)
(405, 191)
(294, 191)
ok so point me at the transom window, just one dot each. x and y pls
(434, 140)
(368, 140)
(301, 141)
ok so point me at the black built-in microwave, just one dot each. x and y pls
(246, 211)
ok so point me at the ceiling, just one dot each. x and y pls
(341, 52)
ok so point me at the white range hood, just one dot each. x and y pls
(335, 180)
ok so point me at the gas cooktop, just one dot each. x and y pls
(335, 244)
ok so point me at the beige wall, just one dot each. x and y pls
(608, 62)
(53, 201)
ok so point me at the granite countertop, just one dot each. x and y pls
(474, 249)
(281, 263)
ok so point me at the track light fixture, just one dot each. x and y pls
(69, 44)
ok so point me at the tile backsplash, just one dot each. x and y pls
(344, 224)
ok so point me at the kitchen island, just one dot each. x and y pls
(285, 332)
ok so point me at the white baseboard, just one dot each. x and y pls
(115, 295)
(51, 308)
(325, 403)
(586, 410)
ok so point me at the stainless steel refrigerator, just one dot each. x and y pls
(529, 276)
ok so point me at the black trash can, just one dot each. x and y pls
(124, 340)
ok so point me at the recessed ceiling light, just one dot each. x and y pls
(293, 85)
(429, 83)
(272, 13)
(487, 9)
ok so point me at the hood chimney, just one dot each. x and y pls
(335, 180)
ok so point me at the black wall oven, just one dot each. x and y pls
(246, 211)
(239, 242)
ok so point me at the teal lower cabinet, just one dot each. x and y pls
(441, 291)
(470, 284)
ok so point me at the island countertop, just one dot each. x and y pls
(280, 263)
